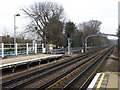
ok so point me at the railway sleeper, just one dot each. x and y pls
(103, 56)
(70, 60)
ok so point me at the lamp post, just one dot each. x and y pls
(15, 15)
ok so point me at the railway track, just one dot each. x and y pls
(70, 65)
(81, 77)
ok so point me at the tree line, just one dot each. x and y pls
(49, 25)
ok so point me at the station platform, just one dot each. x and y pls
(105, 81)
(13, 62)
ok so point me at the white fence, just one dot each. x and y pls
(30, 48)
(19, 49)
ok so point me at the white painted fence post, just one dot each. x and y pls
(33, 45)
(35, 48)
(43, 48)
(16, 49)
(2, 49)
(27, 48)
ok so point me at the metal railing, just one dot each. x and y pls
(30, 48)
(19, 49)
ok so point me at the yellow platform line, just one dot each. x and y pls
(100, 82)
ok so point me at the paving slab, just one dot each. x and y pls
(24, 59)
(105, 81)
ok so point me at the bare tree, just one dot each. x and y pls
(41, 14)
(91, 27)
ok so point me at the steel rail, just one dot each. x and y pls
(68, 85)
(15, 83)
(47, 84)
(67, 77)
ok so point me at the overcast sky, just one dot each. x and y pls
(77, 11)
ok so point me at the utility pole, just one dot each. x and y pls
(69, 46)
(15, 15)
(119, 37)
(119, 31)
(119, 45)
(69, 43)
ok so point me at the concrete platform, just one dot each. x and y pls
(12, 62)
(105, 81)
